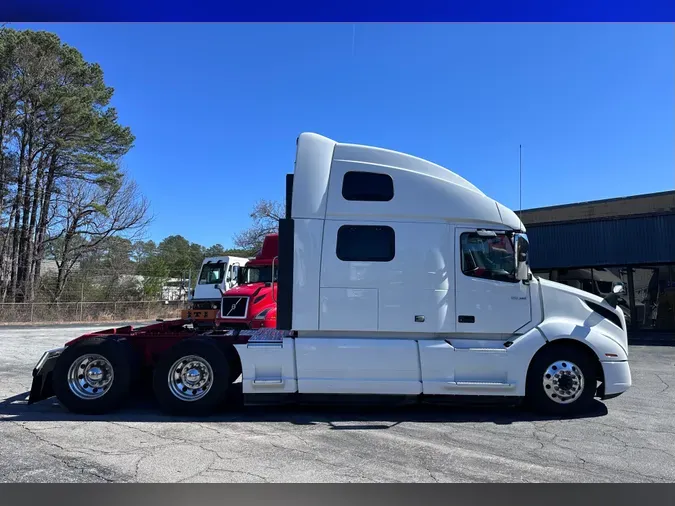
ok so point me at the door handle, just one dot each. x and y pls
(466, 319)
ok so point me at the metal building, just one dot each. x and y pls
(590, 245)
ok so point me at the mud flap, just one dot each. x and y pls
(42, 376)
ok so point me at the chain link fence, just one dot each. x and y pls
(101, 297)
(88, 312)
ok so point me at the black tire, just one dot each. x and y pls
(537, 397)
(206, 350)
(119, 355)
(232, 359)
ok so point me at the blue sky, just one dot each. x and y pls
(216, 108)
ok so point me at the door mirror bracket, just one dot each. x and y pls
(618, 289)
(521, 247)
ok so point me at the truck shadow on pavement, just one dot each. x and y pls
(350, 417)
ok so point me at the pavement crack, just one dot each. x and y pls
(73, 464)
(313, 455)
(431, 475)
(662, 381)
(221, 470)
(171, 439)
(210, 428)
(40, 438)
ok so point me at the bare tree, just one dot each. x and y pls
(89, 214)
(265, 215)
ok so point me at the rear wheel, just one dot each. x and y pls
(93, 376)
(232, 359)
(561, 380)
(191, 378)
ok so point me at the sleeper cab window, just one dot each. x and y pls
(365, 243)
(367, 186)
(488, 257)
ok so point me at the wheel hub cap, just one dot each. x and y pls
(190, 378)
(90, 376)
(95, 374)
(193, 376)
(563, 382)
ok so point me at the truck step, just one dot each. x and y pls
(484, 350)
(480, 384)
(268, 382)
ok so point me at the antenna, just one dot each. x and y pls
(520, 181)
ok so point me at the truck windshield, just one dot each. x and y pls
(258, 274)
(488, 257)
(212, 274)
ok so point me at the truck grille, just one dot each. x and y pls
(234, 307)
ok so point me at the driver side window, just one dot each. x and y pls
(488, 257)
(211, 274)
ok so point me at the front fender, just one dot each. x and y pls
(603, 345)
(41, 387)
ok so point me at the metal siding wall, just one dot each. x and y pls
(626, 241)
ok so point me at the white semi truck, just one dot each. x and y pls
(397, 278)
(216, 276)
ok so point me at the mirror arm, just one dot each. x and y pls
(612, 299)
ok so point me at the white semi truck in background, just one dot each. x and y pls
(216, 276)
(397, 278)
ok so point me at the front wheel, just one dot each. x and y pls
(191, 378)
(562, 380)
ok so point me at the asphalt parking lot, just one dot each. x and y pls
(627, 439)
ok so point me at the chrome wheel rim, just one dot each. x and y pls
(90, 376)
(190, 378)
(563, 382)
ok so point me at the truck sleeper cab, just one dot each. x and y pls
(397, 278)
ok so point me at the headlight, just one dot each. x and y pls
(261, 315)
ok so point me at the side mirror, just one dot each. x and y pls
(618, 289)
(521, 246)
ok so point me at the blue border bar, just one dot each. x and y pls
(341, 10)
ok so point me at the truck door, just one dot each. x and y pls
(210, 278)
(489, 301)
(232, 273)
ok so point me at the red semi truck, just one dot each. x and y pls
(252, 303)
